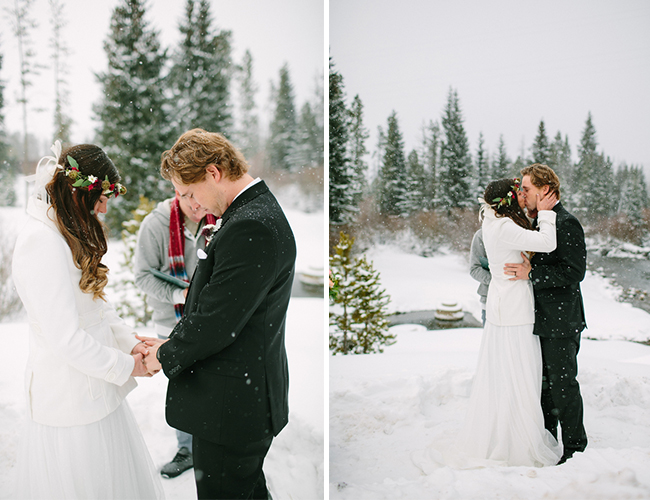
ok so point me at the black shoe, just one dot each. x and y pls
(180, 463)
(564, 458)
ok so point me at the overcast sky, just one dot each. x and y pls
(513, 63)
(275, 31)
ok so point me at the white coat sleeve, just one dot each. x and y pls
(42, 276)
(123, 333)
(518, 238)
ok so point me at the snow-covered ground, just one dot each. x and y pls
(390, 412)
(295, 465)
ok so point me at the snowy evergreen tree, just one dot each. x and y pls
(60, 50)
(430, 159)
(482, 167)
(134, 125)
(560, 161)
(358, 318)
(357, 147)
(587, 158)
(248, 130)
(282, 137)
(415, 197)
(393, 184)
(501, 165)
(377, 161)
(633, 199)
(456, 163)
(540, 148)
(342, 181)
(201, 74)
(318, 108)
(308, 152)
(7, 162)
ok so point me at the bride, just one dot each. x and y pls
(504, 423)
(81, 439)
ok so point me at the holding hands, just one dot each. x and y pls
(144, 354)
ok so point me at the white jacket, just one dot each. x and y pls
(79, 366)
(511, 303)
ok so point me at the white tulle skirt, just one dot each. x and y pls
(103, 460)
(504, 423)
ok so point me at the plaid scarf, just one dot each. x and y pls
(177, 246)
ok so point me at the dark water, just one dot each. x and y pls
(633, 275)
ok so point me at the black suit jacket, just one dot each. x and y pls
(226, 359)
(556, 277)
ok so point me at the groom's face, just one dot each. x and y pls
(530, 191)
(201, 196)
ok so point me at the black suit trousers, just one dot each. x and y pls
(561, 399)
(230, 472)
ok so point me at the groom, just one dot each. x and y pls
(559, 311)
(226, 359)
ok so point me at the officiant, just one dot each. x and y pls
(165, 258)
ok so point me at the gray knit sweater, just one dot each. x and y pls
(152, 251)
(477, 265)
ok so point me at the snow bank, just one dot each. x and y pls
(392, 413)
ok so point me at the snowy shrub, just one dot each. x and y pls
(358, 318)
(10, 303)
(422, 233)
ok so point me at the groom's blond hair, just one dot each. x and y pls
(543, 175)
(188, 159)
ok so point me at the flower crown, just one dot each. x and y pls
(507, 199)
(90, 182)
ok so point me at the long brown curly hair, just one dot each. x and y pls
(75, 217)
(499, 190)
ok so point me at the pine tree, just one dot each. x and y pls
(430, 159)
(307, 150)
(560, 161)
(248, 131)
(7, 162)
(633, 199)
(456, 162)
(201, 73)
(501, 165)
(342, 194)
(60, 50)
(393, 184)
(357, 147)
(416, 188)
(282, 138)
(134, 125)
(482, 167)
(540, 148)
(358, 322)
(587, 158)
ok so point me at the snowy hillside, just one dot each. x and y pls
(391, 414)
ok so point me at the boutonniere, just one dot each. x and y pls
(209, 229)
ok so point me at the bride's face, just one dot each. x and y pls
(101, 205)
(520, 199)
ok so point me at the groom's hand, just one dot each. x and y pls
(518, 271)
(150, 361)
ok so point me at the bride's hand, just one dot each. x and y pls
(139, 368)
(547, 202)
